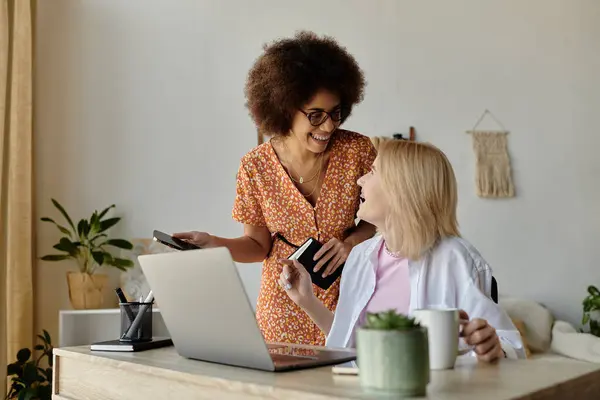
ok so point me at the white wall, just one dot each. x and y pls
(141, 103)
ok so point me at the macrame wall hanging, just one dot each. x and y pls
(493, 176)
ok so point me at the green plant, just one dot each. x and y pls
(390, 320)
(87, 242)
(29, 381)
(591, 303)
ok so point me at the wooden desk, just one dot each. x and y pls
(162, 374)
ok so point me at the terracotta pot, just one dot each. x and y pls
(85, 290)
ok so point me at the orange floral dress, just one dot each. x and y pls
(266, 196)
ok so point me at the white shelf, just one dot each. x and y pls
(84, 327)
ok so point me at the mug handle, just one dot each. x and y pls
(462, 350)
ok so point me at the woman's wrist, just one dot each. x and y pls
(309, 303)
(351, 240)
(360, 233)
(213, 241)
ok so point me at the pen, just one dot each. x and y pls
(138, 319)
(123, 300)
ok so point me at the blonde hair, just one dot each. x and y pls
(420, 185)
(377, 140)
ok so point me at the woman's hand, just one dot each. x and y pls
(200, 239)
(482, 336)
(296, 282)
(334, 250)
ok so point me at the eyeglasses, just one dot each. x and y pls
(317, 118)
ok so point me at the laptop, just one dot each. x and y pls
(205, 307)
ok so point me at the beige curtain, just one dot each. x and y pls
(16, 205)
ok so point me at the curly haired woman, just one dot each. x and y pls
(302, 182)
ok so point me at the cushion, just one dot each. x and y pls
(538, 321)
(568, 342)
(520, 325)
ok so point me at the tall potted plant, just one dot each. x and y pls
(88, 244)
(393, 354)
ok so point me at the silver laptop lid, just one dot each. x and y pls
(205, 307)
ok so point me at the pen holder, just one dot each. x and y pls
(136, 322)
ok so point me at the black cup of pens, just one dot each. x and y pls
(136, 321)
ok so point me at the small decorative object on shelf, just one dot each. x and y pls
(411, 135)
(133, 280)
(88, 244)
(393, 354)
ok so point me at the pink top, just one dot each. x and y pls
(392, 285)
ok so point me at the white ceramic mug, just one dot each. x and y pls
(443, 327)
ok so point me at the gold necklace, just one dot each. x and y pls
(302, 180)
(314, 188)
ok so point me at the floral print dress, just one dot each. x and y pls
(266, 196)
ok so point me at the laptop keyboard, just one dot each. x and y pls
(283, 353)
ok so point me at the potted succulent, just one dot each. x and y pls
(393, 354)
(88, 244)
(591, 310)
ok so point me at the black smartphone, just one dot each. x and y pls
(172, 242)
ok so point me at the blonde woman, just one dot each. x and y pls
(419, 260)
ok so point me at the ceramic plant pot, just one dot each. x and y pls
(394, 360)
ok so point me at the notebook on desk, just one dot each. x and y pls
(117, 345)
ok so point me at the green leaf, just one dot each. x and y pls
(45, 392)
(593, 290)
(98, 257)
(28, 394)
(64, 213)
(585, 319)
(23, 355)
(108, 223)
(103, 213)
(92, 240)
(83, 228)
(389, 320)
(30, 373)
(55, 257)
(13, 369)
(94, 223)
(120, 243)
(60, 227)
(39, 347)
(48, 339)
(66, 245)
(121, 262)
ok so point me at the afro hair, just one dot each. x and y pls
(291, 71)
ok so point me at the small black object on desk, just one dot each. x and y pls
(135, 329)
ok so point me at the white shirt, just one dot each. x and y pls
(452, 275)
